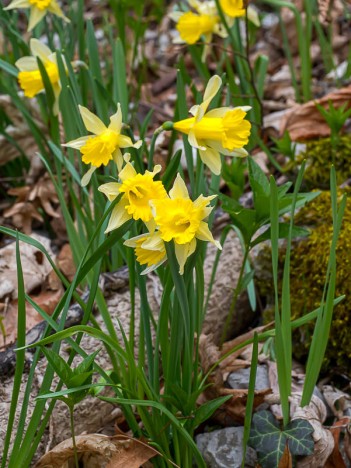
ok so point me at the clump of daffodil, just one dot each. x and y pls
(29, 77)
(149, 250)
(203, 22)
(137, 191)
(106, 143)
(181, 220)
(218, 131)
(236, 9)
(38, 9)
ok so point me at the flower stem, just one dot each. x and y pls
(71, 409)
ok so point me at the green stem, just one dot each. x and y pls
(71, 410)
(237, 291)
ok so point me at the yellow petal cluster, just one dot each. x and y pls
(38, 9)
(105, 144)
(137, 191)
(29, 76)
(220, 131)
(192, 26)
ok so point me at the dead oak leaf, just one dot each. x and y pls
(97, 450)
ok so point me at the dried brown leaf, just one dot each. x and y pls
(305, 122)
(96, 450)
(336, 460)
(286, 460)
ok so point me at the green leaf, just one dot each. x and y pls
(60, 366)
(206, 410)
(260, 188)
(283, 233)
(269, 440)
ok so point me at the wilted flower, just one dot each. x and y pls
(105, 145)
(30, 78)
(138, 190)
(38, 9)
(221, 130)
(180, 219)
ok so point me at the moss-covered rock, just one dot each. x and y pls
(319, 157)
(309, 259)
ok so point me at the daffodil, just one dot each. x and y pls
(104, 145)
(149, 250)
(29, 77)
(221, 130)
(203, 22)
(181, 220)
(38, 9)
(236, 9)
(137, 191)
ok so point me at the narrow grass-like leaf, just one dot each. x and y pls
(20, 357)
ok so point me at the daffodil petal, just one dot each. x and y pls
(179, 189)
(56, 10)
(183, 251)
(212, 159)
(111, 190)
(87, 176)
(124, 141)
(132, 241)
(128, 171)
(216, 145)
(153, 242)
(119, 216)
(27, 64)
(138, 144)
(253, 16)
(211, 90)
(18, 4)
(153, 267)
(77, 143)
(193, 141)
(116, 120)
(175, 15)
(203, 233)
(91, 121)
(118, 159)
(39, 49)
(151, 225)
(194, 110)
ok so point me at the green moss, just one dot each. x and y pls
(318, 155)
(309, 259)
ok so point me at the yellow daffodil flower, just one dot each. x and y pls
(203, 22)
(138, 190)
(29, 77)
(38, 9)
(233, 8)
(149, 250)
(221, 130)
(106, 143)
(180, 219)
(236, 9)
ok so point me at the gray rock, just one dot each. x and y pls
(224, 448)
(240, 378)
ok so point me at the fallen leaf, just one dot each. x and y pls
(337, 400)
(305, 122)
(100, 451)
(336, 460)
(286, 460)
(66, 263)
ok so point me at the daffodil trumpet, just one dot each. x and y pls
(219, 131)
(104, 145)
(137, 191)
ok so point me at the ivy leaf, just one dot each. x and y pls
(270, 441)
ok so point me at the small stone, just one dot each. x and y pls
(224, 448)
(240, 379)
